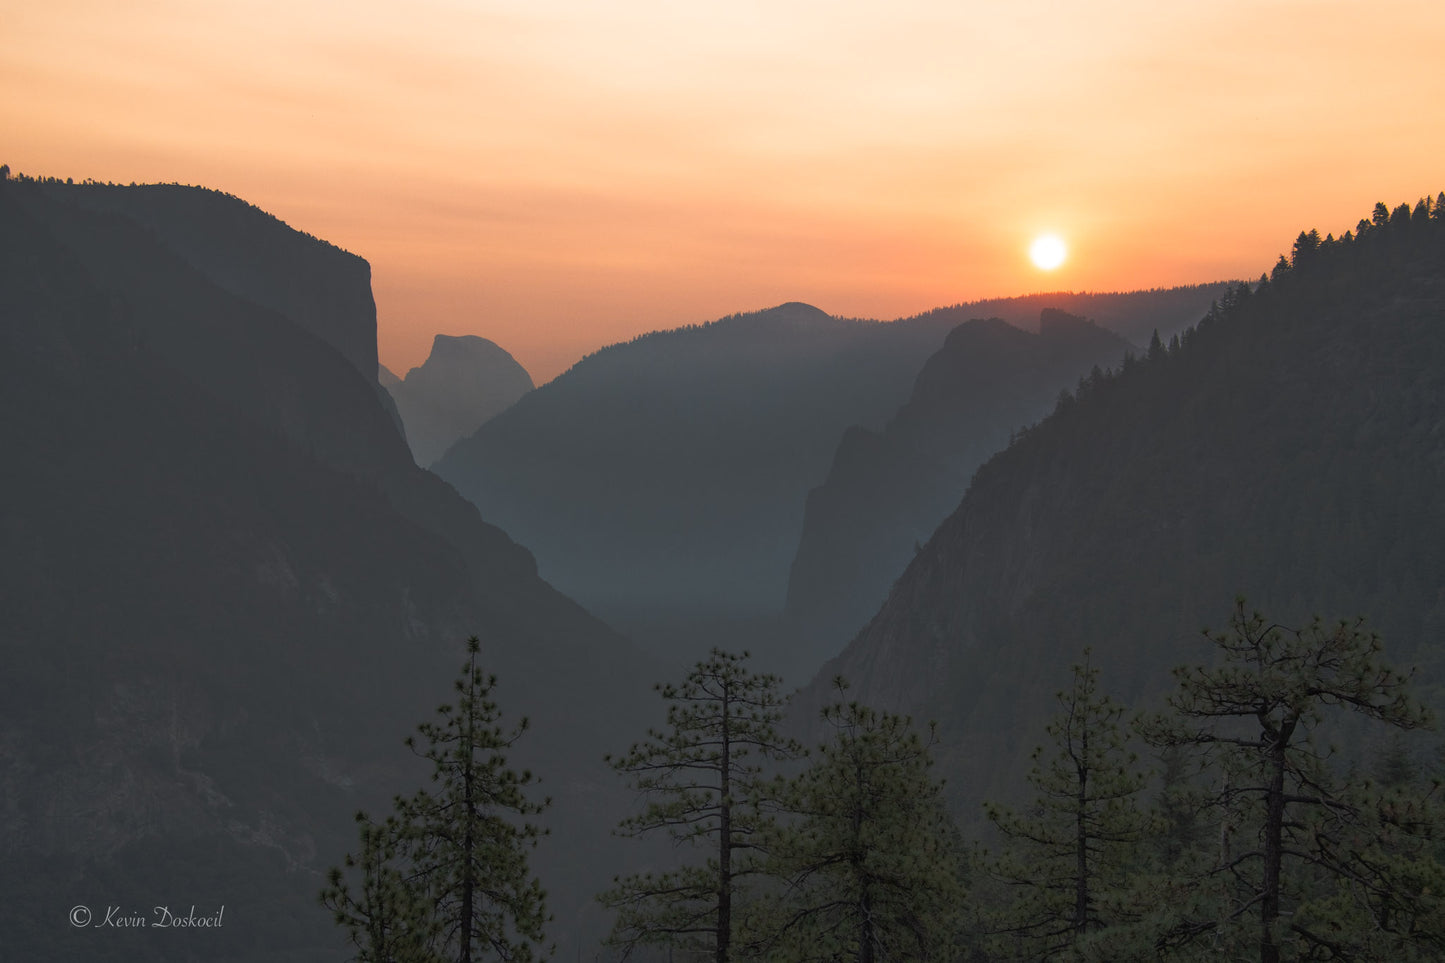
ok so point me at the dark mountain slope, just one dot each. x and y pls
(227, 594)
(465, 381)
(244, 250)
(1292, 449)
(887, 491)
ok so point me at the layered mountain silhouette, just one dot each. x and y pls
(888, 490)
(1133, 315)
(228, 592)
(465, 381)
(668, 475)
(1290, 448)
(668, 472)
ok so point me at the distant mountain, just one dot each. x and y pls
(1133, 315)
(1291, 447)
(465, 381)
(662, 482)
(227, 592)
(888, 490)
(668, 473)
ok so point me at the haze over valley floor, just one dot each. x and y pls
(232, 588)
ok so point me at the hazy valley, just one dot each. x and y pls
(232, 586)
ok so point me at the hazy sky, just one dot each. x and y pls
(557, 175)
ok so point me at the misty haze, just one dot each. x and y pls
(941, 484)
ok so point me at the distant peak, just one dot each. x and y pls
(973, 333)
(986, 324)
(454, 353)
(461, 345)
(800, 311)
(1054, 321)
(794, 314)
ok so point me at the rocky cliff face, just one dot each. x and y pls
(888, 490)
(227, 594)
(465, 382)
(245, 251)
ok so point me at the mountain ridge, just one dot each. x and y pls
(1288, 448)
(615, 458)
(887, 490)
(668, 474)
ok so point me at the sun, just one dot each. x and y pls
(1048, 251)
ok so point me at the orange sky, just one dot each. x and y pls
(558, 174)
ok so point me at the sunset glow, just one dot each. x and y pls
(559, 175)
(1048, 251)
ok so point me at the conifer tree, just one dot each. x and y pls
(1291, 837)
(446, 877)
(388, 918)
(1383, 848)
(704, 776)
(1067, 857)
(871, 860)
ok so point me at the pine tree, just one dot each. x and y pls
(871, 860)
(446, 877)
(388, 920)
(704, 775)
(1383, 848)
(1289, 835)
(1067, 856)
(1156, 347)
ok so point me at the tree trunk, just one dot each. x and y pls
(865, 931)
(1273, 843)
(464, 923)
(725, 844)
(1081, 843)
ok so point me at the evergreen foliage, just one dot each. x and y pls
(704, 776)
(387, 918)
(447, 877)
(871, 860)
(1306, 867)
(1287, 448)
(1383, 848)
(1069, 855)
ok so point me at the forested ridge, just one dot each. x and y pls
(1288, 447)
(887, 490)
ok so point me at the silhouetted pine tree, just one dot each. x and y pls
(447, 877)
(1068, 856)
(1296, 850)
(870, 859)
(704, 775)
(387, 918)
